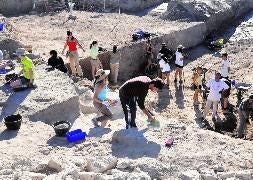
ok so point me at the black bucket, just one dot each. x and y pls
(13, 122)
(61, 127)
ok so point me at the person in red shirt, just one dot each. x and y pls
(72, 53)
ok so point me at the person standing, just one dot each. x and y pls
(1, 55)
(114, 64)
(225, 65)
(179, 63)
(95, 62)
(165, 68)
(100, 96)
(72, 54)
(197, 85)
(149, 54)
(136, 90)
(244, 111)
(216, 86)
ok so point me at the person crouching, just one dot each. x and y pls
(100, 97)
(27, 72)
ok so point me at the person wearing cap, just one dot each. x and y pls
(27, 72)
(216, 86)
(225, 65)
(136, 90)
(56, 61)
(72, 43)
(179, 63)
(100, 97)
(244, 111)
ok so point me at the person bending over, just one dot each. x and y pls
(136, 90)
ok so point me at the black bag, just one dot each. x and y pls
(135, 37)
(10, 77)
(146, 35)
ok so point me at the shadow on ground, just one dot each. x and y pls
(98, 132)
(8, 134)
(13, 102)
(179, 94)
(131, 143)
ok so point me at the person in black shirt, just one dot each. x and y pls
(56, 62)
(167, 53)
(136, 90)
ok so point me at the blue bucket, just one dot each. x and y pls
(4, 71)
(76, 135)
(1, 26)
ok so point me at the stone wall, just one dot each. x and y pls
(125, 5)
(13, 7)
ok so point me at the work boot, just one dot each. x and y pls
(127, 126)
(133, 125)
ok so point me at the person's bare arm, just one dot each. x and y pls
(31, 75)
(80, 45)
(64, 48)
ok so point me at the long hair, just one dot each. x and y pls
(93, 43)
(114, 49)
(70, 33)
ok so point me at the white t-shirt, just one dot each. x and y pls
(164, 66)
(179, 59)
(215, 89)
(1, 55)
(224, 68)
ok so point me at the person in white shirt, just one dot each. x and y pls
(225, 65)
(165, 68)
(216, 86)
(179, 63)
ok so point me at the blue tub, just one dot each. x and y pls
(76, 135)
(1, 26)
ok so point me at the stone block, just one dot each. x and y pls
(190, 175)
(100, 165)
(55, 164)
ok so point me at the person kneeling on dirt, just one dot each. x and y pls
(244, 112)
(56, 62)
(27, 72)
(136, 89)
(216, 86)
(100, 97)
(197, 85)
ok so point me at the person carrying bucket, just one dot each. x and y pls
(72, 54)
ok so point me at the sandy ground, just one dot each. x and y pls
(49, 32)
(194, 148)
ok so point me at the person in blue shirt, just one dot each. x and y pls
(100, 100)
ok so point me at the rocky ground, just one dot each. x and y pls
(34, 152)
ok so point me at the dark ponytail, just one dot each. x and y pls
(93, 43)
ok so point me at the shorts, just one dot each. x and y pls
(225, 93)
(178, 66)
(94, 62)
(197, 87)
(24, 81)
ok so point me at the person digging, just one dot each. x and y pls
(27, 74)
(136, 90)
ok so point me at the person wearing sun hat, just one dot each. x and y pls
(100, 97)
(27, 74)
(179, 63)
